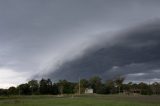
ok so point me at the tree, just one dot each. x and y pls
(102, 89)
(65, 87)
(110, 87)
(155, 87)
(24, 89)
(119, 82)
(12, 91)
(55, 89)
(83, 85)
(49, 86)
(33, 84)
(145, 89)
(95, 83)
(43, 86)
(4, 92)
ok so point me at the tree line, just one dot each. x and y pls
(47, 87)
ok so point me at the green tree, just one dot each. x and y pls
(24, 89)
(12, 91)
(65, 87)
(118, 83)
(43, 86)
(49, 86)
(83, 85)
(110, 87)
(102, 89)
(145, 88)
(55, 89)
(155, 87)
(33, 84)
(3, 92)
(95, 83)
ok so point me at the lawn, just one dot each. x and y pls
(83, 100)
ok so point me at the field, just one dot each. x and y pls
(83, 100)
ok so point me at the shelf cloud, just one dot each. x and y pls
(134, 54)
(78, 38)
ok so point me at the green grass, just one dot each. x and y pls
(83, 100)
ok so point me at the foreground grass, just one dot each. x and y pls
(83, 100)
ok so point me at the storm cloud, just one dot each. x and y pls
(59, 38)
(133, 54)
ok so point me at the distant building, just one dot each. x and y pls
(88, 91)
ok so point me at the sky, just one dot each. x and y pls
(57, 38)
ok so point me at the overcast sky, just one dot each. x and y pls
(39, 37)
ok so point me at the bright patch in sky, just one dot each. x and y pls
(10, 77)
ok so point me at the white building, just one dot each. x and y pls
(88, 91)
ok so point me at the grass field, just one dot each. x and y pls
(83, 100)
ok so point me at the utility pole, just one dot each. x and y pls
(79, 86)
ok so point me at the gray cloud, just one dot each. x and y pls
(134, 52)
(38, 36)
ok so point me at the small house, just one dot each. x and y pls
(88, 91)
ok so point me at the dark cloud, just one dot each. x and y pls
(136, 51)
(38, 36)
